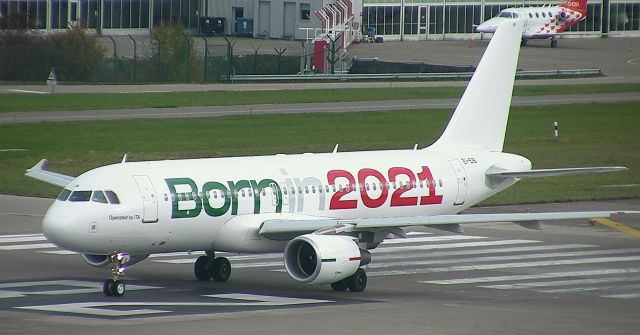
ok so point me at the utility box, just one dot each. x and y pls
(244, 27)
(212, 25)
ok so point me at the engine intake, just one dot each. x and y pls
(323, 259)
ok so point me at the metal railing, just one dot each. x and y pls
(414, 76)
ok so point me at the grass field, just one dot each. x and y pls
(590, 135)
(65, 102)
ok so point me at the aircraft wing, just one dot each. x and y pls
(447, 222)
(38, 172)
(495, 172)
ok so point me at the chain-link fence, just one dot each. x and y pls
(168, 54)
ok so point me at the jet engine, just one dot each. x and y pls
(563, 16)
(101, 261)
(323, 259)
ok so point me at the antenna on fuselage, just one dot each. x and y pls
(335, 149)
(124, 159)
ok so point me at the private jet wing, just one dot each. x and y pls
(38, 172)
(277, 227)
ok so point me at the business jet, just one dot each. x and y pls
(540, 22)
(324, 211)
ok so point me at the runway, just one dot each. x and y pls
(327, 107)
(572, 277)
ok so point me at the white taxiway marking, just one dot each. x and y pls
(27, 246)
(581, 281)
(103, 308)
(13, 290)
(12, 150)
(18, 239)
(549, 275)
(504, 258)
(25, 91)
(449, 246)
(430, 239)
(476, 267)
(485, 251)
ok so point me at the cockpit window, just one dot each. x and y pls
(80, 196)
(98, 196)
(113, 198)
(505, 14)
(64, 195)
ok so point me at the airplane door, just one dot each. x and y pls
(461, 177)
(149, 201)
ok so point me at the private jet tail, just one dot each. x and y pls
(480, 120)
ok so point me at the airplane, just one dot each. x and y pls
(323, 211)
(540, 22)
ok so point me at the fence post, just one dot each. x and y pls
(135, 57)
(255, 58)
(279, 52)
(188, 54)
(206, 55)
(159, 56)
(115, 59)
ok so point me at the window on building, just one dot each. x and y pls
(305, 11)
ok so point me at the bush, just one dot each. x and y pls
(26, 56)
(173, 53)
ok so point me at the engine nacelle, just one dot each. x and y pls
(323, 259)
(563, 16)
(101, 261)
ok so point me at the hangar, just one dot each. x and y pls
(298, 19)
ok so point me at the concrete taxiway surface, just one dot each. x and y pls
(327, 107)
(571, 278)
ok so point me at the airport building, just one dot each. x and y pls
(300, 19)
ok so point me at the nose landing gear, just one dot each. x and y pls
(115, 286)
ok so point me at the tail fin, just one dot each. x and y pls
(481, 116)
(579, 6)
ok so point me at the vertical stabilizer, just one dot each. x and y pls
(480, 119)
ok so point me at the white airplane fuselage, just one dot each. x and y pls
(202, 204)
(540, 22)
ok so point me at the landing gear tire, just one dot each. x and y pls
(107, 287)
(115, 287)
(554, 43)
(339, 286)
(201, 268)
(118, 288)
(358, 281)
(221, 269)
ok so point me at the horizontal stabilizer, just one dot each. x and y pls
(38, 172)
(494, 172)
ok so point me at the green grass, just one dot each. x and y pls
(590, 135)
(87, 101)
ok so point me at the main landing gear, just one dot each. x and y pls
(357, 282)
(115, 287)
(210, 267)
(554, 42)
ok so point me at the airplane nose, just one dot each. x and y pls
(57, 228)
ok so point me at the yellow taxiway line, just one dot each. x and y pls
(617, 226)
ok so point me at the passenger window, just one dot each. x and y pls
(64, 195)
(537, 15)
(544, 14)
(306, 189)
(80, 196)
(313, 189)
(242, 193)
(98, 196)
(327, 188)
(531, 15)
(550, 15)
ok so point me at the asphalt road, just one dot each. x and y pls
(329, 107)
(571, 278)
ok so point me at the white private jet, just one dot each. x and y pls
(540, 22)
(323, 210)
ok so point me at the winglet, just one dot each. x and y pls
(38, 172)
